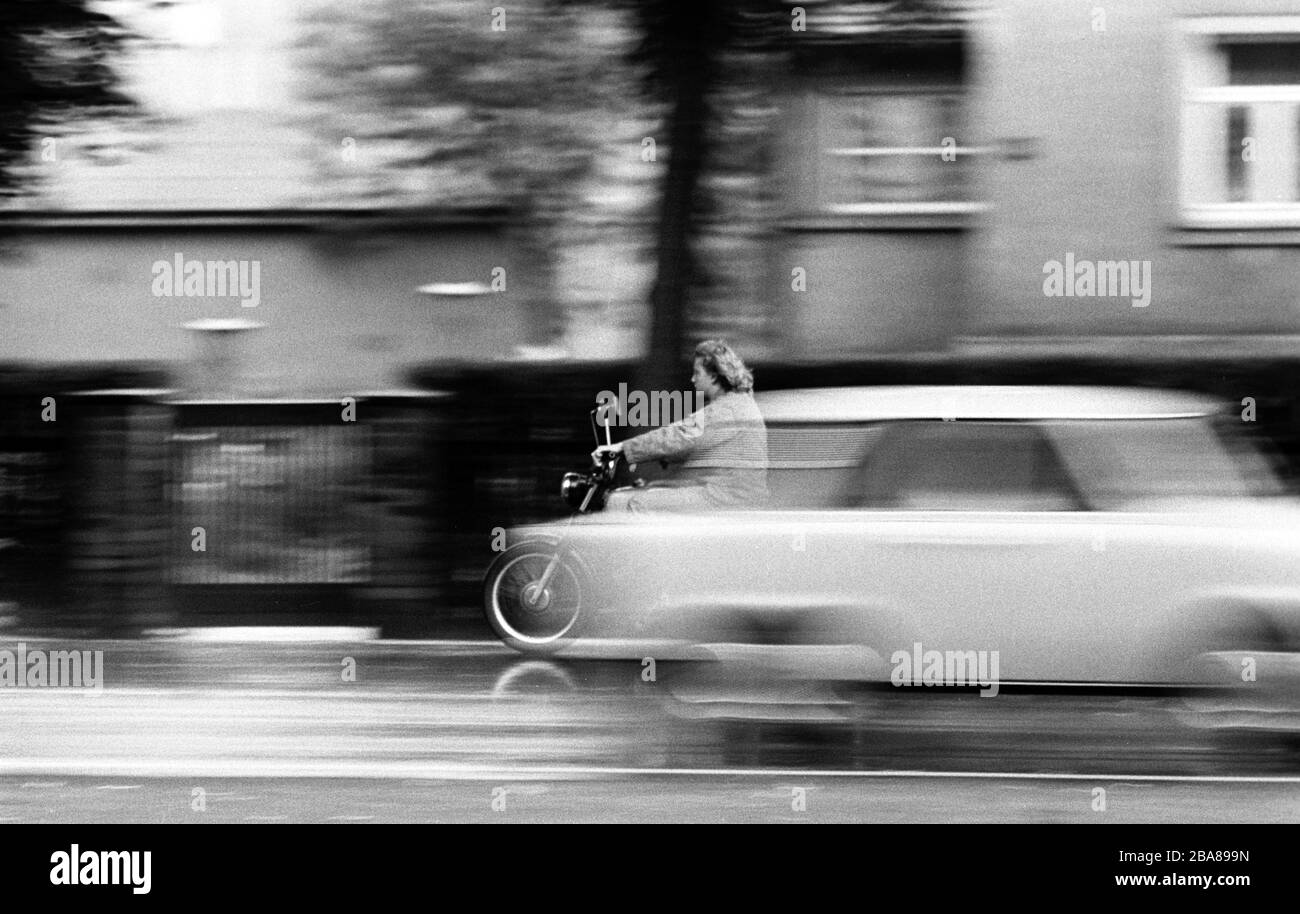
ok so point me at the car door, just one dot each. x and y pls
(971, 536)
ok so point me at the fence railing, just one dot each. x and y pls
(145, 510)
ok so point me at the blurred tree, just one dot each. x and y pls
(55, 65)
(453, 104)
(679, 46)
(707, 60)
(449, 103)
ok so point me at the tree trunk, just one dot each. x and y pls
(691, 31)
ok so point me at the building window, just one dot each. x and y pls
(887, 126)
(1241, 122)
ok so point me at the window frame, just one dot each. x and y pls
(820, 81)
(941, 207)
(1202, 82)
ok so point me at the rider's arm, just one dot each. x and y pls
(675, 442)
(672, 442)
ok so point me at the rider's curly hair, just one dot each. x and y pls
(721, 361)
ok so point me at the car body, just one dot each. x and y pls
(1089, 536)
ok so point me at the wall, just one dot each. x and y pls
(867, 292)
(1101, 109)
(341, 313)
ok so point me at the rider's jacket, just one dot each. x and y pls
(722, 447)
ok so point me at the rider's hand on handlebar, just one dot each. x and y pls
(599, 452)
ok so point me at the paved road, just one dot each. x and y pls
(460, 731)
(744, 797)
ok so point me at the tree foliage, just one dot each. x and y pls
(444, 103)
(56, 66)
(448, 103)
(451, 104)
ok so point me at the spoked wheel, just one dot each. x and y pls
(528, 611)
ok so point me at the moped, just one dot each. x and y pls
(535, 593)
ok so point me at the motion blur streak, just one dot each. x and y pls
(227, 717)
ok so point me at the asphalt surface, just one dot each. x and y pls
(378, 731)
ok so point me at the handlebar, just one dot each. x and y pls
(606, 464)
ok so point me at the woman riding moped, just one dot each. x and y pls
(720, 450)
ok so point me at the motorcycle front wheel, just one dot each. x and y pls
(529, 618)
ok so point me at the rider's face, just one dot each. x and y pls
(704, 382)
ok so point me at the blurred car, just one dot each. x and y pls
(1088, 536)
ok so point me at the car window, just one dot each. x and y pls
(1131, 460)
(964, 466)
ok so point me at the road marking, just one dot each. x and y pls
(253, 635)
(370, 692)
(277, 768)
(495, 646)
(265, 633)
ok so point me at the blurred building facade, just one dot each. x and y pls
(890, 189)
(937, 164)
(913, 169)
(886, 178)
(221, 165)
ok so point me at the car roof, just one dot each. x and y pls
(869, 404)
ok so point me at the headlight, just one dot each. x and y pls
(573, 489)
